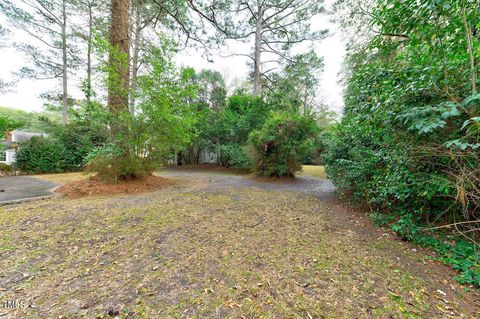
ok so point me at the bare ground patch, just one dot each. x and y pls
(95, 187)
(215, 246)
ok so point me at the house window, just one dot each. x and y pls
(3, 156)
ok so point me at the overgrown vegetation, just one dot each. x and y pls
(237, 132)
(43, 155)
(282, 143)
(11, 119)
(409, 139)
(408, 143)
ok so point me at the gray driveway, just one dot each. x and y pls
(15, 188)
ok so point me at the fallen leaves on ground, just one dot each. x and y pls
(95, 187)
(198, 249)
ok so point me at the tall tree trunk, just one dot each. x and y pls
(258, 50)
(468, 32)
(89, 53)
(119, 57)
(136, 52)
(473, 72)
(64, 64)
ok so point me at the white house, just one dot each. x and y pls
(7, 153)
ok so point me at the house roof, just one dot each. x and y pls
(23, 136)
(5, 146)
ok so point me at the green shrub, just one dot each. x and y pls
(8, 124)
(391, 150)
(6, 169)
(376, 164)
(79, 139)
(108, 164)
(43, 155)
(282, 143)
(461, 254)
(234, 155)
(244, 114)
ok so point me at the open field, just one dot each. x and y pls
(216, 245)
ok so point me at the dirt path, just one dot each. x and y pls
(217, 245)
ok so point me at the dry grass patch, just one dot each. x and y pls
(198, 251)
(63, 178)
(314, 171)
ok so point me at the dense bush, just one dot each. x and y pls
(404, 174)
(282, 143)
(244, 114)
(79, 139)
(72, 142)
(7, 124)
(376, 164)
(234, 155)
(223, 127)
(409, 140)
(6, 169)
(43, 155)
(108, 164)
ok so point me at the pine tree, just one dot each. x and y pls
(51, 56)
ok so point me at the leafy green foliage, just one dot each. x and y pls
(108, 163)
(43, 155)
(282, 143)
(235, 155)
(7, 124)
(212, 91)
(79, 139)
(408, 141)
(295, 87)
(226, 129)
(166, 117)
(86, 131)
(31, 121)
(244, 114)
(210, 102)
(162, 123)
(461, 254)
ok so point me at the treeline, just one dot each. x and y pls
(409, 140)
(178, 118)
(155, 110)
(65, 39)
(11, 119)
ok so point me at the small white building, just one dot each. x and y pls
(7, 153)
(207, 157)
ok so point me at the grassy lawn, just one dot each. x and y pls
(199, 249)
(313, 170)
(63, 178)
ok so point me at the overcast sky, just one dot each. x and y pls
(25, 95)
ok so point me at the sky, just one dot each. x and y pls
(25, 94)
